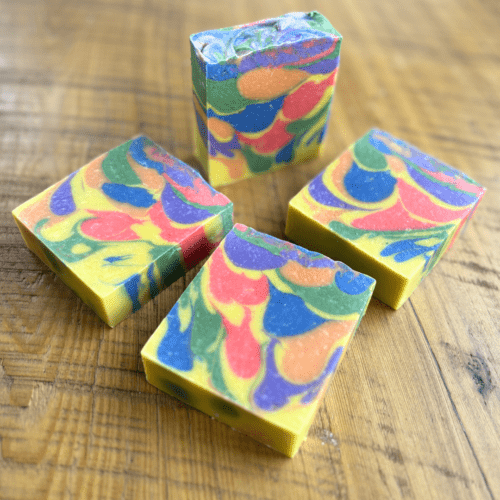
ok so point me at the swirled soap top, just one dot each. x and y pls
(229, 44)
(387, 189)
(401, 207)
(123, 227)
(263, 325)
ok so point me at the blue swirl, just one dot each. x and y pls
(368, 185)
(287, 315)
(61, 202)
(175, 347)
(135, 196)
(352, 283)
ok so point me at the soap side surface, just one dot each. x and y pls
(387, 210)
(122, 228)
(256, 337)
(262, 94)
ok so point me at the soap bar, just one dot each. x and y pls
(386, 209)
(262, 93)
(124, 227)
(257, 335)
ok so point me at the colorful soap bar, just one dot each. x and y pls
(262, 93)
(387, 210)
(124, 227)
(257, 335)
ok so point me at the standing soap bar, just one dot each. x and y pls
(387, 210)
(124, 227)
(262, 93)
(257, 335)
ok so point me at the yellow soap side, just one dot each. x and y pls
(270, 428)
(64, 272)
(282, 430)
(227, 411)
(392, 288)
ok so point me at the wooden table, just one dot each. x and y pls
(414, 411)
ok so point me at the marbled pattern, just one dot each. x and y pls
(395, 203)
(125, 226)
(262, 93)
(263, 325)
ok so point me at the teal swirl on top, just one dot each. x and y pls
(225, 44)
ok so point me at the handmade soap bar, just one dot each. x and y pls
(386, 209)
(262, 93)
(122, 228)
(257, 335)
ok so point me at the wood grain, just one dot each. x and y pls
(414, 411)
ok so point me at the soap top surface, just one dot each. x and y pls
(115, 216)
(264, 325)
(228, 44)
(391, 199)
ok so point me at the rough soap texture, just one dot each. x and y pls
(262, 93)
(125, 226)
(257, 335)
(387, 210)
